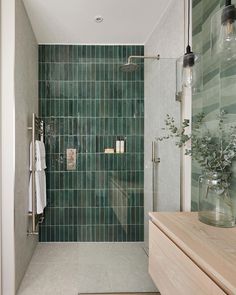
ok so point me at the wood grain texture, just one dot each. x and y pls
(213, 249)
(173, 272)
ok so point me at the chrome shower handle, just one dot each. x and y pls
(155, 159)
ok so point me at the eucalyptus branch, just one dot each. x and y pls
(214, 150)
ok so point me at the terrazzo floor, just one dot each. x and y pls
(72, 268)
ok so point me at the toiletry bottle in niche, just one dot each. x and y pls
(122, 145)
(118, 145)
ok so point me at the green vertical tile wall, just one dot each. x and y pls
(219, 81)
(86, 101)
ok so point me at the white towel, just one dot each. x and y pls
(40, 156)
(40, 188)
(31, 156)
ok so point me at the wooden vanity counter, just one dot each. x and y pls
(190, 257)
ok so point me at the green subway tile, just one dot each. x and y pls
(90, 102)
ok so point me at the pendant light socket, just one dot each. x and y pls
(189, 58)
(228, 13)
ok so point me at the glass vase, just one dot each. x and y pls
(215, 203)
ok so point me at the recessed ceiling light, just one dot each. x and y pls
(98, 19)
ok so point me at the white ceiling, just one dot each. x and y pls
(72, 21)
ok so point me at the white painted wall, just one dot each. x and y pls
(19, 99)
(0, 163)
(26, 102)
(8, 144)
(167, 39)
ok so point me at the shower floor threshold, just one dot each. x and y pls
(125, 293)
(88, 268)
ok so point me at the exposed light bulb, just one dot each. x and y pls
(187, 77)
(228, 28)
(227, 44)
(228, 32)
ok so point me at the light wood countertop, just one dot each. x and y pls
(213, 249)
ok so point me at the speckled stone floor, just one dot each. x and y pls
(72, 268)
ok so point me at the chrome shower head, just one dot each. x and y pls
(129, 67)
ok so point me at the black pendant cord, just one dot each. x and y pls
(188, 48)
(188, 20)
(189, 57)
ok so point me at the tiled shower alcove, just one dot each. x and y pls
(86, 101)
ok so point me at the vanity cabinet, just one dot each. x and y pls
(187, 257)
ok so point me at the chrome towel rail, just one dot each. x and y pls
(37, 133)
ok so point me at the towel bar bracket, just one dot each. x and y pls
(30, 233)
(38, 220)
(41, 219)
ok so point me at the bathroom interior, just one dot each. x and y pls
(86, 88)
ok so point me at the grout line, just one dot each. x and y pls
(146, 250)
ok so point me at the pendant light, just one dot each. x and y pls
(228, 22)
(188, 69)
(223, 32)
(188, 60)
(227, 37)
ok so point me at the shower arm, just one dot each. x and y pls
(143, 57)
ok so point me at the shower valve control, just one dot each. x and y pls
(71, 159)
